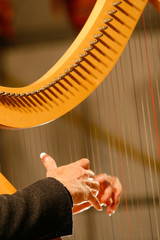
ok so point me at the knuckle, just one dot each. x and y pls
(85, 160)
(84, 172)
(118, 185)
(117, 180)
(91, 172)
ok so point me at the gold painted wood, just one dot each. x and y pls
(5, 186)
(82, 68)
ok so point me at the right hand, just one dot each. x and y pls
(76, 177)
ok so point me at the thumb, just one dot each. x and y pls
(48, 162)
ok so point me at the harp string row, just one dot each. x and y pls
(158, 95)
(155, 124)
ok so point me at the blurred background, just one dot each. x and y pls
(117, 127)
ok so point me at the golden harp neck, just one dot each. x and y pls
(82, 68)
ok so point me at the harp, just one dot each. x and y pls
(78, 72)
(71, 80)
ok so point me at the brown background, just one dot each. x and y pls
(120, 107)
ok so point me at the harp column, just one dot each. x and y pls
(1, 77)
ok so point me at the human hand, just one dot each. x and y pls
(110, 191)
(76, 177)
(109, 194)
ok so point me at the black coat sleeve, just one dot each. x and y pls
(41, 211)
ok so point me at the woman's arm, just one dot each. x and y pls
(41, 211)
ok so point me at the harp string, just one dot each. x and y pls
(155, 121)
(138, 123)
(158, 49)
(151, 86)
(101, 135)
(18, 153)
(111, 142)
(120, 76)
(133, 174)
(126, 147)
(157, 87)
(146, 133)
(74, 149)
(93, 160)
(139, 222)
(120, 156)
(110, 154)
(152, 184)
(103, 149)
(141, 106)
(22, 154)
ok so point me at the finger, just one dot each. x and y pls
(90, 173)
(84, 162)
(116, 201)
(114, 205)
(109, 206)
(94, 201)
(92, 185)
(109, 210)
(101, 177)
(106, 195)
(48, 162)
(118, 188)
(114, 181)
(95, 192)
(80, 208)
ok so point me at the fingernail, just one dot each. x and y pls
(111, 213)
(90, 179)
(100, 208)
(109, 210)
(42, 155)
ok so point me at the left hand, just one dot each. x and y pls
(109, 194)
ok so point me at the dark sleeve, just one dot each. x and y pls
(41, 211)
